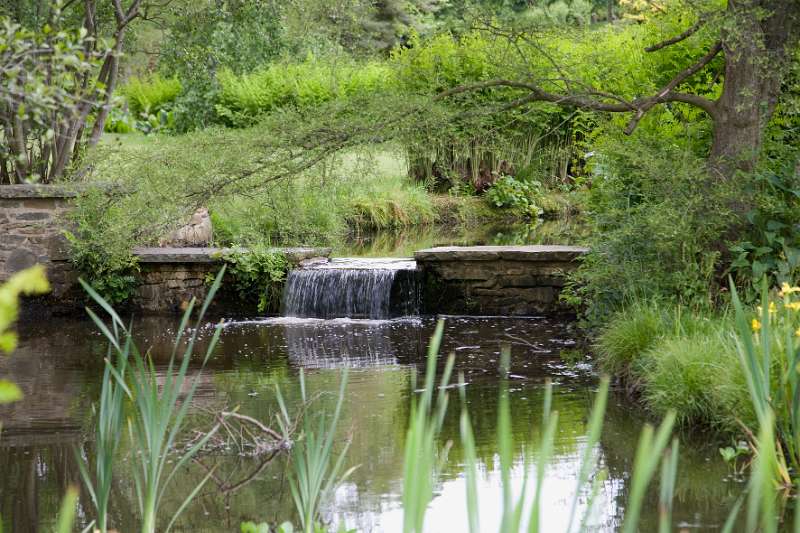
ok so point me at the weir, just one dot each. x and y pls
(354, 288)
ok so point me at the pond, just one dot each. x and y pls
(58, 365)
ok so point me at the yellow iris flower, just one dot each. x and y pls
(786, 289)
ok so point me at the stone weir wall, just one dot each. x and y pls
(171, 277)
(495, 280)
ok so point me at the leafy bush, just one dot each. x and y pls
(242, 99)
(659, 221)
(241, 36)
(100, 250)
(146, 96)
(258, 272)
(521, 196)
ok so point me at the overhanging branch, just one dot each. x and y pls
(678, 38)
(599, 101)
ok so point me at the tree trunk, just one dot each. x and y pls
(757, 47)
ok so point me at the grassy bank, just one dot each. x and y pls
(679, 359)
(358, 190)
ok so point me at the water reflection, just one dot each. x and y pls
(59, 365)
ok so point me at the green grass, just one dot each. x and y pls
(680, 360)
(358, 190)
(698, 376)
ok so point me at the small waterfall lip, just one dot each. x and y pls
(372, 288)
(367, 263)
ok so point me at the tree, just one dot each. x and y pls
(57, 81)
(756, 38)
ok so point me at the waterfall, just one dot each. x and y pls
(353, 288)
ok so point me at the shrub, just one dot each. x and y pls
(242, 99)
(258, 273)
(521, 196)
(146, 96)
(100, 251)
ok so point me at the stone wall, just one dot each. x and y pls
(171, 277)
(32, 225)
(31, 231)
(495, 280)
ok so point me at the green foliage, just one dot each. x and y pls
(771, 245)
(517, 195)
(390, 209)
(100, 250)
(207, 37)
(243, 99)
(629, 334)
(658, 222)
(258, 271)
(158, 403)
(45, 79)
(27, 282)
(769, 351)
(316, 470)
(150, 95)
(678, 359)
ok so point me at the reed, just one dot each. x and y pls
(157, 412)
(316, 471)
(768, 344)
(110, 421)
(424, 458)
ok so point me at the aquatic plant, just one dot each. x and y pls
(157, 411)
(424, 458)
(316, 471)
(769, 351)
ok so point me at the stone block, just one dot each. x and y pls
(20, 259)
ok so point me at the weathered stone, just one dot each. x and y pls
(35, 215)
(20, 259)
(507, 280)
(493, 253)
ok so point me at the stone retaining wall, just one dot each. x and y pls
(31, 231)
(171, 277)
(495, 280)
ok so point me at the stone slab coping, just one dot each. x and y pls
(58, 190)
(493, 253)
(214, 255)
(37, 191)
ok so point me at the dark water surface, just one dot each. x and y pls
(58, 365)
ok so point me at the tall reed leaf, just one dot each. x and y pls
(422, 459)
(158, 411)
(316, 473)
(588, 459)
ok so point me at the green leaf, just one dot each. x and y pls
(9, 392)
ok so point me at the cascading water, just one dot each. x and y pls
(353, 288)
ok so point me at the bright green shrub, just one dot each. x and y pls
(150, 95)
(258, 274)
(520, 196)
(306, 85)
